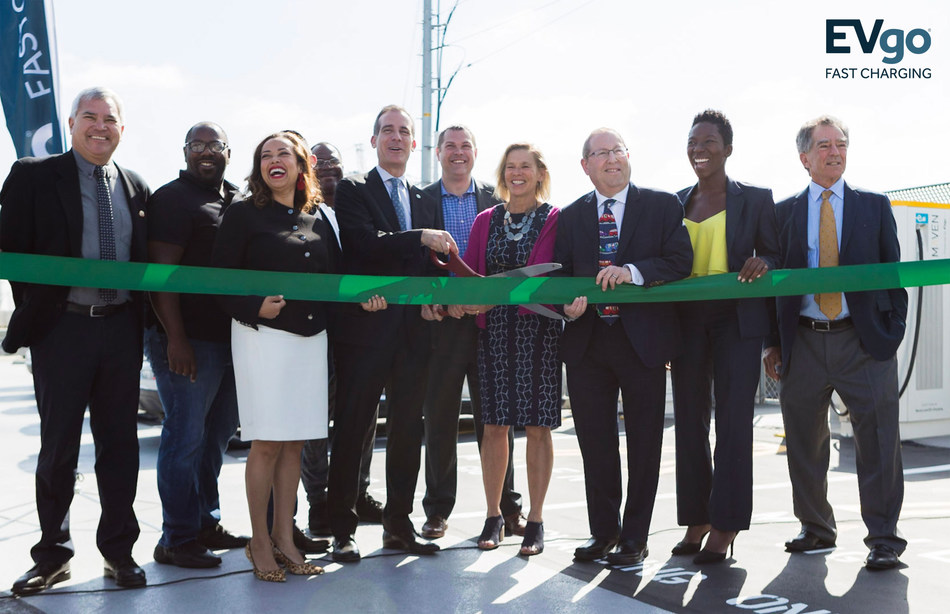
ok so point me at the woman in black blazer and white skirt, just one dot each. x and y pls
(279, 346)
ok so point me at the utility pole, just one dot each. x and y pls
(427, 50)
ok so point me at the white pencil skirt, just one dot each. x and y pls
(281, 383)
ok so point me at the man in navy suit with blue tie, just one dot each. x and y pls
(387, 227)
(839, 342)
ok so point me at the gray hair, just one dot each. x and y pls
(804, 140)
(97, 93)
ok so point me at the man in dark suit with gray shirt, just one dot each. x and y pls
(86, 343)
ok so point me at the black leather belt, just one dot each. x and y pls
(824, 326)
(96, 311)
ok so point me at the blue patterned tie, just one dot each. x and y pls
(397, 203)
(609, 240)
(106, 228)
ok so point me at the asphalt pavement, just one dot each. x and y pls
(761, 577)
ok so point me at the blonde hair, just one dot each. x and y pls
(541, 191)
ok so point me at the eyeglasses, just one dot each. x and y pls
(328, 163)
(603, 154)
(199, 146)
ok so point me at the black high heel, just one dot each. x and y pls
(494, 532)
(685, 547)
(708, 557)
(533, 538)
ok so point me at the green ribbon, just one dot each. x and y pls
(60, 271)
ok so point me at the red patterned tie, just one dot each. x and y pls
(609, 240)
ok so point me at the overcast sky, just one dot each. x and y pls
(541, 70)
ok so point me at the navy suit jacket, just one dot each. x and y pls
(868, 236)
(751, 230)
(653, 239)
(373, 244)
(41, 213)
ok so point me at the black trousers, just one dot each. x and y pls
(716, 359)
(454, 352)
(95, 362)
(315, 465)
(610, 366)
(400, 365)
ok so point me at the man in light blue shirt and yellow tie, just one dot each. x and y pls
(839, 342)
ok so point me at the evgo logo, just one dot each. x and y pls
(893, 42)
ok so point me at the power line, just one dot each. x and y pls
(508, 20)
(529, 34)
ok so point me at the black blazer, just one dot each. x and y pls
(868, 236)
(373, 244)
(653, 239)
(484, 198)
(751, 229)
(41, 213)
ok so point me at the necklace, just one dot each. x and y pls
(515, 231)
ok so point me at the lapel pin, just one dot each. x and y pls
(141, 213)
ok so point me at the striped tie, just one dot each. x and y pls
(609, 240)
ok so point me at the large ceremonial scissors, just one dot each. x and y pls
(457, 265)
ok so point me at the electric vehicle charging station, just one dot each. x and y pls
(923, 358)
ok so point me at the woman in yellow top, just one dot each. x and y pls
(732, 228)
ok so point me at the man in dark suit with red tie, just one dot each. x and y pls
(843, 342)
(619, 233)
(86, 343)
(387, 227)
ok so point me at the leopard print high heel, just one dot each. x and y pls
(274, 575)
(297, 569)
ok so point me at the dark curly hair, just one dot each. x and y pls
(304, 200)
(717, 118)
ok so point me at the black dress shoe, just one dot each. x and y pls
(40, 577)
(125, 571)
(369, 509)
(218, 538)
(409, 542)
(594, 548)
(881, 557)
(806, 541)
(309, 545)
(345, 550)
(434, 527)
(628, 552)
(191, 555)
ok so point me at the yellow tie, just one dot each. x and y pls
(829, 302)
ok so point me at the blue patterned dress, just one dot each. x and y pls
(518, 368)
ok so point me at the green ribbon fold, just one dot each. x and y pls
(60, 271)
